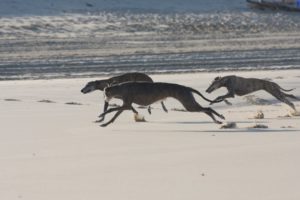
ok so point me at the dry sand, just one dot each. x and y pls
(50, 148)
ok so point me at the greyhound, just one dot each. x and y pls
(101, 84)
(242, 86)
(145, 93)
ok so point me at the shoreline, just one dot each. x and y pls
(150, 74)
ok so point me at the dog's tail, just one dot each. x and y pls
(201, 95)
(286, 89)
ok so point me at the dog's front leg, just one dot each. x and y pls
(222, 98)
(112, 119)
(109, 111)
(104, 109)
(105, 106)
(120, 110)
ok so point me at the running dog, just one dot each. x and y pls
(241, 86)
(101, 84)
(145, 93)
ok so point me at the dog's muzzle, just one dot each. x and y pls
(84, 91)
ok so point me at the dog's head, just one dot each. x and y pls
(89, 87)
(95, 85)
(216, 83)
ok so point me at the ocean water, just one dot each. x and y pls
(105, 43)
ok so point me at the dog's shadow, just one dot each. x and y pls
(200, 122)
(218, 129)
(235, 130)
(182, 122)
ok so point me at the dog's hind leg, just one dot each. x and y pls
(163, 106)
(291, 96)
(213, 117)
(289, 103)
(281, 97)
(210, 110)
(285, 100)
(195, 107)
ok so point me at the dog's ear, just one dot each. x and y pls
(218, 78)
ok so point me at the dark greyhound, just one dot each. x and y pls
(101, 84)
(143, 93)
(242, 86)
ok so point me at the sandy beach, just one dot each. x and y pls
(50, 147)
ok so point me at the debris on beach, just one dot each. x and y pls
(139, 118)
(73, 103)
(259, 126)
(12, 100)
(279, 77)
(294, 113)
(254, 100)
(291, 114)
(259, 115)
(228, 125)
(178, 109)
(286, 127)
(46, 101)
(284, 116)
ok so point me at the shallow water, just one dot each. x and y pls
(107, 43)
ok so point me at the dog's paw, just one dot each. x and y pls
(99, 120)
(218, 122)
(228, 103)
(103, 125)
